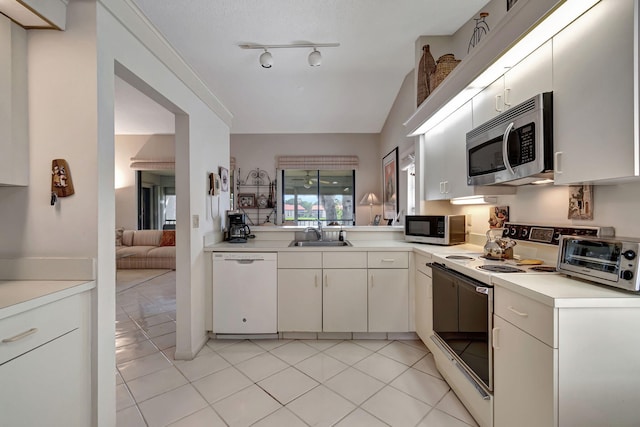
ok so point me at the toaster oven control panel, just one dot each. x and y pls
(551, 234)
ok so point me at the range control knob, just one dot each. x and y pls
(627, 275)
(629, 254)
(524, 232)
(513, 231)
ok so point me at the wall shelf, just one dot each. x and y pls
(255, 196)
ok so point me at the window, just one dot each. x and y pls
(310, 196)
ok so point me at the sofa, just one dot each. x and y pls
(145, 249)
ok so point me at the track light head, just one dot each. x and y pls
(315, 58)
(266, 60)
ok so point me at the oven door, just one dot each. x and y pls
(462, 321)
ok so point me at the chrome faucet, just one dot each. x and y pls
(318, 230)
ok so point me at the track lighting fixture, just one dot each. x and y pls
(315, 59)
(266, 59)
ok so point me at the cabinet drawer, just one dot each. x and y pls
(38, 326)
(422, 262)
(388, 260)
(300, 260)
(531, 316)
(344, 259)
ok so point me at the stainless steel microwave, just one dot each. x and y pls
(514, 148)
(608, 261)
(435, 229)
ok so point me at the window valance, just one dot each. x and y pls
(318, 162)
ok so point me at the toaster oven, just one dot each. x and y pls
(608, 261)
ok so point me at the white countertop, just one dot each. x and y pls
(17, 296)
(558, 290)
(253, 245)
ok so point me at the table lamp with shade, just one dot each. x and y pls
(370, 199)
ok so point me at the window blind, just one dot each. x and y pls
(318, 162)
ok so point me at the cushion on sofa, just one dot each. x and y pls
(127, 237)
(119, 233)
(168, 238)
(147, 237)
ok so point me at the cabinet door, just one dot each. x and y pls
(446, 156)
(593, 98)
(488, 103)
(388, 300)
(344, 299)
(455, 140)
(531, 76)
(434, 157)
(523, 375)
(299, 300)
(47, 386)
(424, 307)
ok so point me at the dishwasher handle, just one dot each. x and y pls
(245, 261)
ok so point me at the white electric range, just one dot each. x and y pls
(475, 265)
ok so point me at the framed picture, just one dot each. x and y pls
(498, 215)
(376, 220)
(246, 200)
(390, 184)
(580, 202)
(510, 4)
(224, 178)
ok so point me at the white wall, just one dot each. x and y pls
(613, 205)
(261, 150)
(71, 90)
(126, 147)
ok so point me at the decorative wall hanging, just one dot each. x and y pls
(390, 184)
(426, 67)
(224, 178)
(510, 4)
(61, 183)
(481, 28)
(498, 215)
(580, 202)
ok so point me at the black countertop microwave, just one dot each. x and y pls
(435, 229)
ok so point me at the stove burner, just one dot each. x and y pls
(544, 269)
(463, 257)
(500, 269)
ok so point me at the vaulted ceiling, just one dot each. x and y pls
(351, 92)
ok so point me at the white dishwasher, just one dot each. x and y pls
(245, 293)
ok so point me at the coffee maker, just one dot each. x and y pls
(238, 228)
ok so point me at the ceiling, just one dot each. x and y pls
(351, 92)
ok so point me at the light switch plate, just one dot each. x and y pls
(195, 221)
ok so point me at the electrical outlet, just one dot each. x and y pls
(195, 221)
(469, 216)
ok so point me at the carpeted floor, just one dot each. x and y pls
(128, 278)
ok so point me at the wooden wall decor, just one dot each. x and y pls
(426, 67)
(61, 183)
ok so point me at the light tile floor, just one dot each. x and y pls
(266, 383)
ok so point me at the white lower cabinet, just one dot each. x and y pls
(45, 365)
(388, 296)
(300, 292)
(424, 300)
(344, 300)
(523, 378)
(388, 300)
(573, 365)
(299, 300)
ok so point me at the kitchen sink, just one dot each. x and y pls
(321, 243)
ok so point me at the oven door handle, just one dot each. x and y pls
(505, 148)
(482, 290)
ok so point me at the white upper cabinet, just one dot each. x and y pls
(14, 137)
(593, 96)
(445, 157)
(529, 77)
